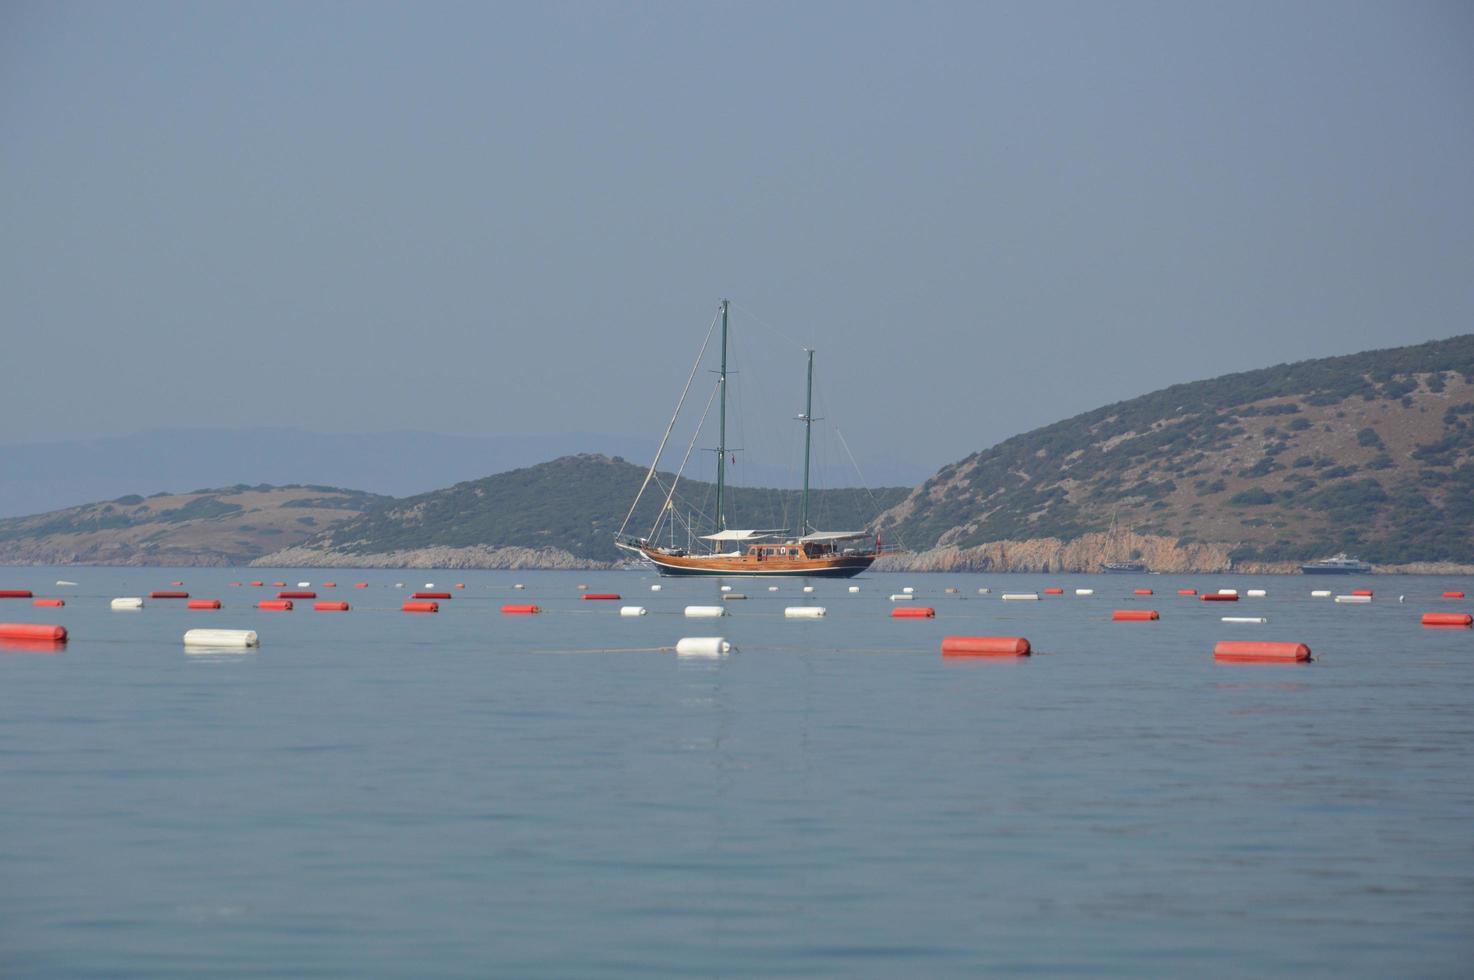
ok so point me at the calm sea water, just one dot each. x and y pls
(468, 794)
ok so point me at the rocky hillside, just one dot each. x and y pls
(206, 527)
(1371, 454)
(560, 514)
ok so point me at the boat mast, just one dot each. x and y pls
(808, 420)
(722, 426)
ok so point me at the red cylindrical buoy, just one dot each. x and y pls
(32, 631)
(275, 605)
(1143, 591)
(1361, 591)
(48, 602)
(613, 596)
(1187, 591)
(277, 585)
(15, 593)
(1054, 591)
(1135, 615)
(360, 585)
(176, 583)
(1256, 651)
(985, 646)
(202, 604)
(913, 612)
(330, 585)
(235, 585)
(1447, 619)
(330, 606)
(460, 585)
(431, 595)
(257, 585)
(296, 595)
(1453, 595)
(168, 595)
(520, 610)
(422, 607)
(1214, 597)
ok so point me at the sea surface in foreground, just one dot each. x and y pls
(468, 794)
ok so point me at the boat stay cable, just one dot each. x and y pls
(690, 447)
(656, 462)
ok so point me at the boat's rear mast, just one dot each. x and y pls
(807, 418)
(722, 425)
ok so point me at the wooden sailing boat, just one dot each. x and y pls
(752, 551)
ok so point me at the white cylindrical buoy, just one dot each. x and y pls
(1320, 594)
(429, 585)
(808, 588)
(901, 597)
(519, 586)
(632, 610)
(726, 588)
(1256, 593)
(653, 588)
(854, 588)
(732, 596)
(234, 639)
(702, 646)
(1245, 619)
(1228, 591)
(804, 612)
(1084, 592)
(1020, 596)
(304, 585)
(704, 612)
(985, 591)
(772, 588)
(62, 581)
(1353, 598)
(128, 603)
(908, 590)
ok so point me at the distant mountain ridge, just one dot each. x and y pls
(46, 476)
(1370, 453)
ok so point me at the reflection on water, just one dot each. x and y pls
(24, 645)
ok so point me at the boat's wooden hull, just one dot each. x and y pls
(827, 566)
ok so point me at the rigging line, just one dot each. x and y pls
(668, 428)
(768, 326)
(675, 508)
(689, 447)
(863, 484)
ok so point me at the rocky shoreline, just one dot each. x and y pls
(1082, 555)
(510, 558)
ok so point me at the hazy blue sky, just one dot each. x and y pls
(513, 218)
